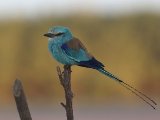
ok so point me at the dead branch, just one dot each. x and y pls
(65, 80)
(21, 101)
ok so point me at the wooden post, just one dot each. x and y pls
(65, 80)
(21, 102)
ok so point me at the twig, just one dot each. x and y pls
(21, 102)
(65, 80)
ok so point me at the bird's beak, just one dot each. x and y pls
(50, 35)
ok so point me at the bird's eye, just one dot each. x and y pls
(58, 34)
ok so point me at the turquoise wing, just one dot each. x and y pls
(76, 51)
(76, 55)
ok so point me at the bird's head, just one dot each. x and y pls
(59, 33)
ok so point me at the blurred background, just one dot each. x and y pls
(122, 34)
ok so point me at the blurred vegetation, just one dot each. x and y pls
(129, 47)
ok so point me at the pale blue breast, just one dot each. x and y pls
(58, 54)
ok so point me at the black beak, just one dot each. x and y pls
(50, 35)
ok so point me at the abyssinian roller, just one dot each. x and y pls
(69, 50)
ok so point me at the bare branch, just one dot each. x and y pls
(65, 80)
(21, 101)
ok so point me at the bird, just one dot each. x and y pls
(69, 50)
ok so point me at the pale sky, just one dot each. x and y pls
(34, 8)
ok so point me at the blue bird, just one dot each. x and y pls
(69, 50)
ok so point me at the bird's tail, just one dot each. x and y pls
(139, 94)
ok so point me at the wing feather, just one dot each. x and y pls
(78, 52)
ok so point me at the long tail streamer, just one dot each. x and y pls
(139, 94)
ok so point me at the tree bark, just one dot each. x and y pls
(21, 101)
(65, 80)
